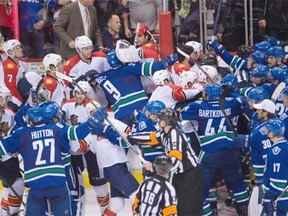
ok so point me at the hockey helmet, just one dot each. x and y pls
(187, 77)
(160, 76)
(168, 115)
(196, 46)
(10, 45)
(51, 110)
(5, 94)
(213, 91)
(262, 46)
(260, 71)
(230, 80)
(244, 51)
(34, 115)
(82, 86)
(211, 72)
(52, 59)
(113, 60)
(153, 107)
(209, 59)
(285, 91)
(276, 51)
(258, 94)
(141, 29)
(162, 164)
(259, 57)
(82, 42)
(276, 73)
(276, 126)
(43, 94)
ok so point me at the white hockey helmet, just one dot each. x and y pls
(90, 107)
(51, 59)
(187, 77)
(212, 73)
(196, 46)
(160, 76)
(5, 94)
(84, 85)
(81, 42)
(127, 53)
(10, 45)
(1, 41)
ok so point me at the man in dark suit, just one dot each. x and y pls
(76, 19)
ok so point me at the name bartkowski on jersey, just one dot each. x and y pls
(214, 113)
(42, 133)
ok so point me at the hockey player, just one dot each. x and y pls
(276, 172)
(156, 195)
(12, 70)
(198, 50)
(3, 55)
(216, 143)
(276, 56)
(186, 174)
(41, 147)
(170, 94)
(9, 166)
(52, 63)
(82, 157)
(284, 116)
(112, 161)
(122, 85)
(146, 120)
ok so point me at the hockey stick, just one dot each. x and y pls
(277, 91)
(239, 72)
(13, 190)
(216, 21)
(137, 33)
(69, 79)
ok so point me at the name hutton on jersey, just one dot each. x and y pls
(42, 133)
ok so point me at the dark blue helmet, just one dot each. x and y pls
(51, 110)
(259, 57)
(153, 107)
(35, 115)
(213, 91)
(262, 46)
(260, 71)
(230, 80)
(276, 73)
(258, 94)
(276, 126)
(285, 91)
(113, 60)
(276, 51)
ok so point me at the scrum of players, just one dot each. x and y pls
(193, 120)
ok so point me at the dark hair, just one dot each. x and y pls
(186, 49)
(109, 17)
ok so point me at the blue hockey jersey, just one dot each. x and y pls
(213, 130)
(259, 144)
(276, 172)
(43, 149)
(123, 87)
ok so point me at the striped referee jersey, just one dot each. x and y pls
(155, 196)
(175, 145)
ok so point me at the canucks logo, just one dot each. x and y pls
(142, 125)
(276, 150)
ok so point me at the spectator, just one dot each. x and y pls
(33, 19)
(76, 19)
(142, 12)
(110, 33)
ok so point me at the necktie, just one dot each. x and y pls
(87, 22)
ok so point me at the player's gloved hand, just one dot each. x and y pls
(272, 40)
(171, 59)
(218, 48)
(100, 115)
(240, 141)
(99, 129)
(268, 204)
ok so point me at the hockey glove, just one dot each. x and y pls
(272, 40)
(240, 141)
(100, 115)
(268, 204)
(218, 48)
(100, 129)
(171, 59)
